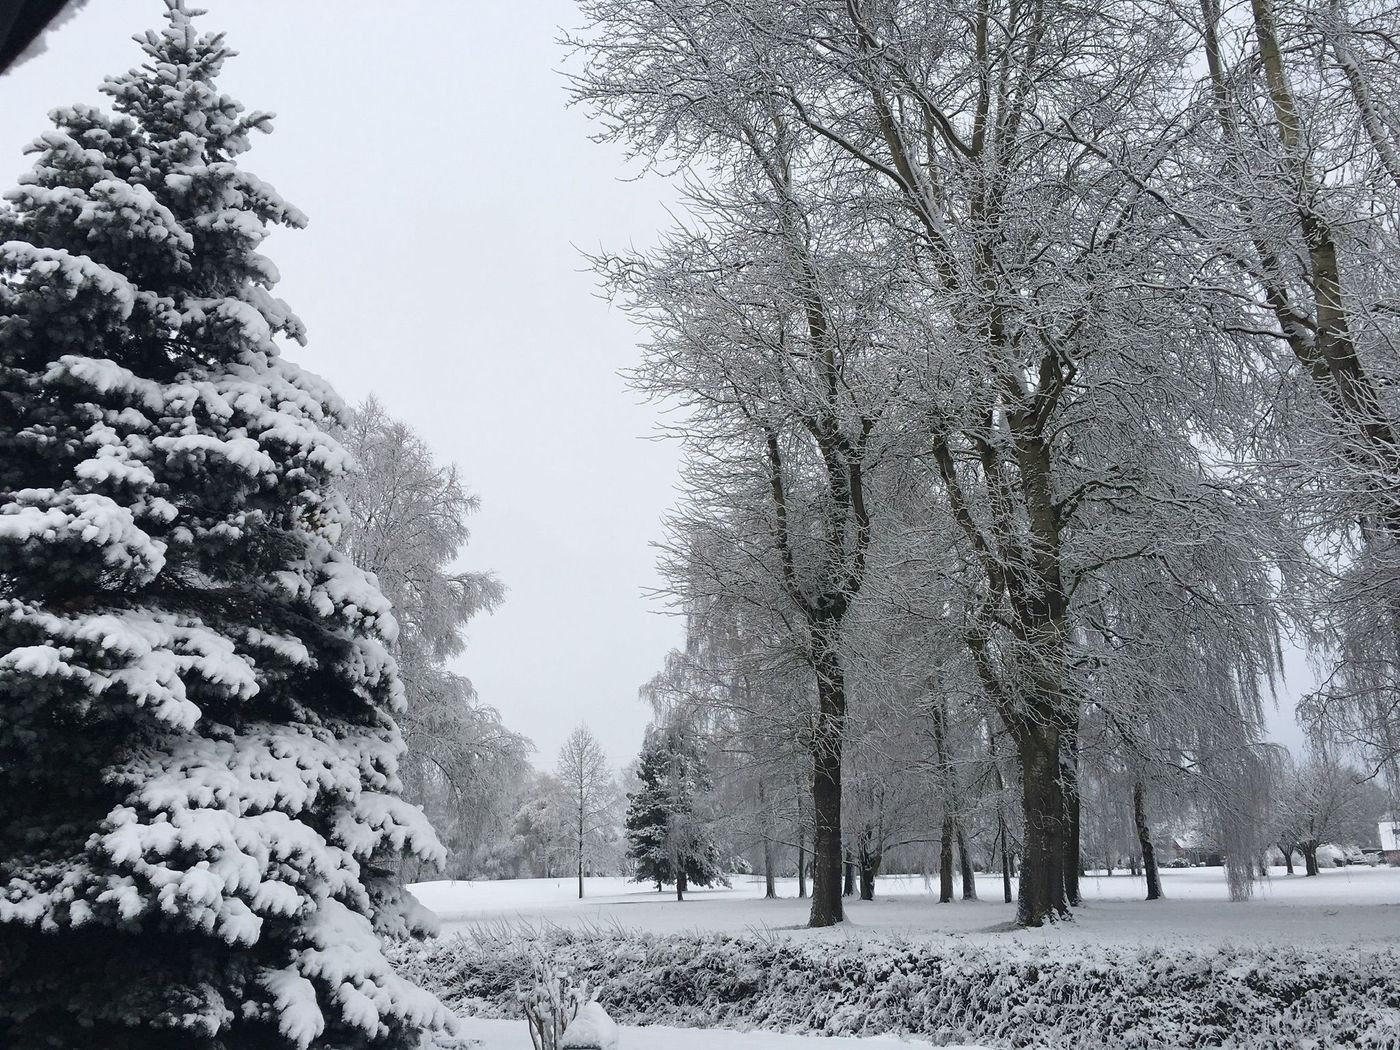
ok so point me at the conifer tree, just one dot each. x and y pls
(647, 815)
(669, 831)
(199, 811)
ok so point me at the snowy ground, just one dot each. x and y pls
(513, 1035)
(1355, 906)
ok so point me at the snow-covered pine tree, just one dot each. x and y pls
(199, 811)
(648, 817)
(669, 831)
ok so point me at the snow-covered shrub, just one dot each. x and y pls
(200, 819)
(1079, 998)
(1330, 856)
(550, 1005)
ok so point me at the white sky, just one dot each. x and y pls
(447, 186)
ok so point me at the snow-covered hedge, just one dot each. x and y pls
(953, 991)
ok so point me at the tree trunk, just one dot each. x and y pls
(969, 877)
(1287, 852)
(680, 884)
(801, 863)
(1040, 610)
(1005, 855)
(770, 885)
(1309, 860)
(869, 870)
(1149, 855)
(827, 740)
(848, 877)
(1330, 354)
(1069, 778)
(1041, 893)
(580, 875)
(770, 877)
(945, 859)
(824, 613)
(1001, 827)
(945, 776)
(801, 850)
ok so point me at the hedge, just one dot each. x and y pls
(947, 991)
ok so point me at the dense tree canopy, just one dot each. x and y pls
(1034, 367)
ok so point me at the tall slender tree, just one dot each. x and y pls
(589, 800)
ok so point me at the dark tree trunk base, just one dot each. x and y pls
(945, 860)
(1041, 896)
(869, 872)
(1005, 854)
(1149, 854)
(770, 874)
(969, 877)
(1069, 779)
(826, 780)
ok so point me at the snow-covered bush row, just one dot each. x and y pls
(1009, 995)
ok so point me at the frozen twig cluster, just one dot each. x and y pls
(551, 1004)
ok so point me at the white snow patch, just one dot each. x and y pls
(591, 1029)
(515, 1035)
(1351, 906)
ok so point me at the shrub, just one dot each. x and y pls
(952, 991)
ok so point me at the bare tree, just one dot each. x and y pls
(988, 147)
(590, 801)
(1092, 271)
(764, 340)
(1327, 801)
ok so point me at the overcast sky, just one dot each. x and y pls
(447, 187)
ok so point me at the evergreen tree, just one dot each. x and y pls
(647, 815)
(669, 830)
(199, 811)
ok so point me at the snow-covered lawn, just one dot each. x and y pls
(1305, 954)
(1354, 906)
(513, 1035)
